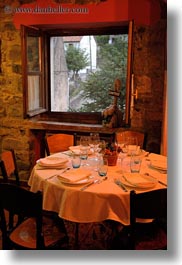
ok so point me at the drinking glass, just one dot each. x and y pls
(132, 145)
(103, 167)
(135, 164)
(101, 147)
(94, 141)
(121, 141)
(84, 148)
(76, 161)
(121, 157)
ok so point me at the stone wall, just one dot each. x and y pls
(149, 66)
(149, 43)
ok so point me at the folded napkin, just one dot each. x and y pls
(159, 164)
(74, 175)
(157, 157)
(138, 180)
(76, 149)
(158, 161)
(133, 149)
(52, 161)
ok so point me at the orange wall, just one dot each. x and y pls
(142, 11)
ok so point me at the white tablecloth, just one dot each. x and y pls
(98, 202)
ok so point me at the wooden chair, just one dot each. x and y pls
(33, 229)
(142, 235)
(124, 134)
(58, 143)
(9, 167)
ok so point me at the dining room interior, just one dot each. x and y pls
(43, 95)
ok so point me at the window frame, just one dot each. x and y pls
(25, 33)
(45, 32)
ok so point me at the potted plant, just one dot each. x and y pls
(111, 153)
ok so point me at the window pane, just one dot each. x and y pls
(33, 50)
(34, 93)
(83, 70)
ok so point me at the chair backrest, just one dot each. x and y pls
(58, 143)
(22, 203)
(124, 134)
(9, 166)
(147, 205)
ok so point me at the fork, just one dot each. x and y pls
(52, 176)
(89, 184)
(120, 184)
(66, 169)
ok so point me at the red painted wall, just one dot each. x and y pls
(142, 11)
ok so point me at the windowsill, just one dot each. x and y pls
(68, 126)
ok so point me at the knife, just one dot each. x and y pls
(86, 186)
(162, 183)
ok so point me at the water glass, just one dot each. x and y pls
(121, 157)
(135, 164)
(76, 161)
(103, 167)
(83, 152)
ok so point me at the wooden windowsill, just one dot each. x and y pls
(65, 126)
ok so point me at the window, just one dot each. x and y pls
(33, 73)
(69, 71)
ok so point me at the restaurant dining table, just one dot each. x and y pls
(102, 200)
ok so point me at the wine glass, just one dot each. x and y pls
(132, 145)
(122, 152)
(94, 141)
(101, 147)
(84, 148)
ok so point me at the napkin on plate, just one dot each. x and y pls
(133, 149)
(159, 164)
(51, 161)
(158, 161)
(75, 149)
(138, 180)
(74, 175)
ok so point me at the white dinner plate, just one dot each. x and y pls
(160, 165)
(51, 167)
(76, 149)
(138, 181)
(78, 183)
(139, 153)
(52, 162)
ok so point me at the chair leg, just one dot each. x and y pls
(76, 236)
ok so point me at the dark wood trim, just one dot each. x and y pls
(87, 118)
(77, 29)
(0, 57)
(129, 73)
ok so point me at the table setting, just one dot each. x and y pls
(91, 190)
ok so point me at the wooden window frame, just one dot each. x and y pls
(45, 32)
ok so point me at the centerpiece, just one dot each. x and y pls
(111, 154)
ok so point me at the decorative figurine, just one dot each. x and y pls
(112, 115)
